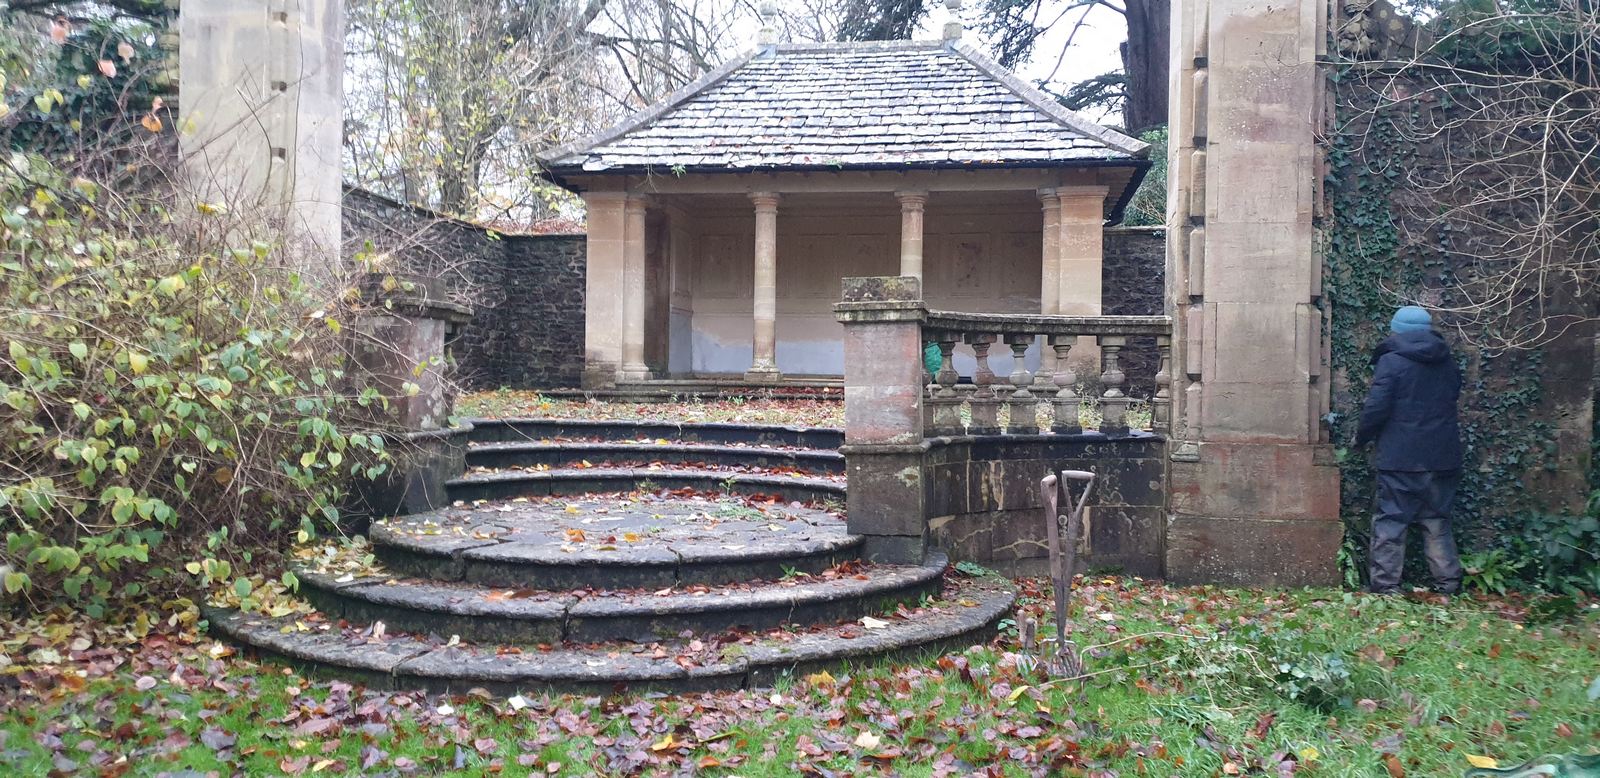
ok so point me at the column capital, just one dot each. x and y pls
(1048, 197)
(604, 198)
(765, 201)
(1075, 191)
(638, 202)
(911, 198)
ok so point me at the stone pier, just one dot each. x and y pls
(1254, 491)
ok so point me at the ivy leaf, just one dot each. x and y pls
(138, 363)
(79, 350)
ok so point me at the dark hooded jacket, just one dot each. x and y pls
(1411, 407)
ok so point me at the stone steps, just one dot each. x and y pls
(712, 433)
(551, 572)
(966, 613)
(487, 614)
(639, 542)
(510, 484)
(568, 454)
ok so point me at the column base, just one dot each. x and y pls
(766, 374)
(634, 375)
(599, 376)
(1254, 514)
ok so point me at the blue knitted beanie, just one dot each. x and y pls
(1411, 318)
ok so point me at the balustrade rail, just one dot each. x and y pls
(952, 407)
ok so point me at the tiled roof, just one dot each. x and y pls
(850, 105)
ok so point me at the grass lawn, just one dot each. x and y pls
(1186, 682)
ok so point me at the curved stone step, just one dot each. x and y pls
(486, 614)
(648, 541)
(565, 454)
(524, 430)
(511, 484)
(965, 614)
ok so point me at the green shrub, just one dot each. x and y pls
(170, 407)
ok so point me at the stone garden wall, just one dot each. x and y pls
(527, 291)
(984, 503)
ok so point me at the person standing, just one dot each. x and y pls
(1410, 412)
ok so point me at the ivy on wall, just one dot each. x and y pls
(1373, 263)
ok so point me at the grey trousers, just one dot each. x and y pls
(1421, 498)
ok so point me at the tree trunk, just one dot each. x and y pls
(1144, 59)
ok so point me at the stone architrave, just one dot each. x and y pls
(1254, 493)
(261, 113)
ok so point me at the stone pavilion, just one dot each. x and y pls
(722, 218)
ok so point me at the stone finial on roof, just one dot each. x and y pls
(769, 17)
(952, 23)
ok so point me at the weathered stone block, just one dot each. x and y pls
(1253, 551)
(1260, 480)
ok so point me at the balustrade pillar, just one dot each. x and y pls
(1064, 406)
(985, 403)
(946, 401)
(764, 303)
(1113, 403)
(1161, 403)
(1022, 407)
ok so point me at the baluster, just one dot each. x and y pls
(931, 388)
(1161, 403)
(1064, 405)
(985, 404)
(1022, 407)
(946, 401)
(1113, 403)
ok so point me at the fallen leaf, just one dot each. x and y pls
(666, 744)
(867, 740)
(1482, 761)
(1392, 762)
(872, 623)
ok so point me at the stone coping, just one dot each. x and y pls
(966, 614)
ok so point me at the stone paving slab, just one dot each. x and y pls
(965, 614)
(614, 541)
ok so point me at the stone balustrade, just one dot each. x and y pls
(973, 407)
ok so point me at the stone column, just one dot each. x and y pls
(1082, 225)
(604, 311)
(883, 395)
(261, 96)
(1254, 492)
(764, 364)
(1049, 271)
(633, 291)
(1078, 291)
(911, 206)
(1050, 260)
